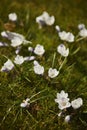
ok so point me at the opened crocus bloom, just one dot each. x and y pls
(63, 100)
(52, 73)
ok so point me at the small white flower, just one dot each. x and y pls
(25, 103)
(8, 65)
(52, 73)
(12, 16)
(29, 58)
(77, 103)
(39, 50)
(62, 50)
(66, 36)
(38, 69)
(63, 100)
(45, 19)
(67, 118)
(57, 28)
(81, 26)
(83, 32)
(19, 60)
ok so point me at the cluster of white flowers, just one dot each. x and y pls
(64, 102)
(16, 38)
(45, 19)
(38, 69)
(66, 36)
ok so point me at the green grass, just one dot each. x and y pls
(22, 82)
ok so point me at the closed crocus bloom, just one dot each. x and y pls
(29, 58)
(12, 16)
(77, 103)
(67, 118)
(57, 28)
(62, 100)
(81, 26)
(38, 69)
(39, 50)
(63, 50)
(19, 60)
(8, 65)
(52, 73)
(83, 32)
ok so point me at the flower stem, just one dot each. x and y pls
(54, 56)
(62, 63)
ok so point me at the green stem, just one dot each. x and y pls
(62, 63)
(54, 56)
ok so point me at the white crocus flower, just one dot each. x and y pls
(8, 65)
(67, 118)
(62, 50)
(12, 16)
(45, 19)
(19, 60)
(25, 103)
(66, 36)
(39, 50)
(52, 73)
(81, 26)
(38, 69)
(77, 103)
(83, 32)
(16, 38)
(62, 100)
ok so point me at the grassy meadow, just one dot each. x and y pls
(21, 82)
